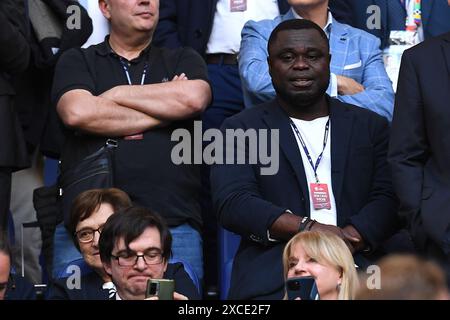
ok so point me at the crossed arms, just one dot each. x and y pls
(126, 110)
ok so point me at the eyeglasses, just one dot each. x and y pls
(87, 235)
(129, 259)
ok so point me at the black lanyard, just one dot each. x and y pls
(302, 142)
(127, 72)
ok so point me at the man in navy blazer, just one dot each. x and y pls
(267, 210)
(419, 150)
(435, 16)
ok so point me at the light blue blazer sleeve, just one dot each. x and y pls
(253, 66)
(356, 54)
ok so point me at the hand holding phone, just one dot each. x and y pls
(161, 288)
(301, 287)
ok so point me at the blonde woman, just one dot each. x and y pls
(326, 258)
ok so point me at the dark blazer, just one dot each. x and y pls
(91, 286)
(419, 150)
(247, 202)
(14, 58)
(19, 288)
(14, 47)
(38, 118)
(435, 16)
(189, 23)
(90, 289)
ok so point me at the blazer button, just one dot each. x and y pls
(198, 33)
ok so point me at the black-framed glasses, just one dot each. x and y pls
(129, 259)
(87, 235)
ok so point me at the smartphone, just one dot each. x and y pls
(163, 288)
(304, 288)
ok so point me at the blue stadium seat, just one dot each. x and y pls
(50, 171)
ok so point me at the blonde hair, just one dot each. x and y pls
(327, 249)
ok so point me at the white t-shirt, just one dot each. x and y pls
(227, 26)
(312, 133)
(99, 22)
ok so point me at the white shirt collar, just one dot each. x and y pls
(108, 285)
(111, 289)
(328, 26)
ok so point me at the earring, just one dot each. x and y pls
(338, 287)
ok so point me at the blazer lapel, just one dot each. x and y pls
(341, 129)
(338, 46)
(276, 118)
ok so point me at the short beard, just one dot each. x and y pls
(300, 99)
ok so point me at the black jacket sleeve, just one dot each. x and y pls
(409, 148)
(14, 46)
(183, 283)
(57, 290)
(377, 220)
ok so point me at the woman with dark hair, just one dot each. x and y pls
(89, 212)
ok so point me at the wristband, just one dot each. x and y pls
(303, 224)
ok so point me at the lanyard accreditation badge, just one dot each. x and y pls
(319, 191)
(138, 136)
(238, 5)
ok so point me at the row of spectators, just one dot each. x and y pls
(65, 102)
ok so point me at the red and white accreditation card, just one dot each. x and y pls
(238, 5)
(138, 136)
(320, 196)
